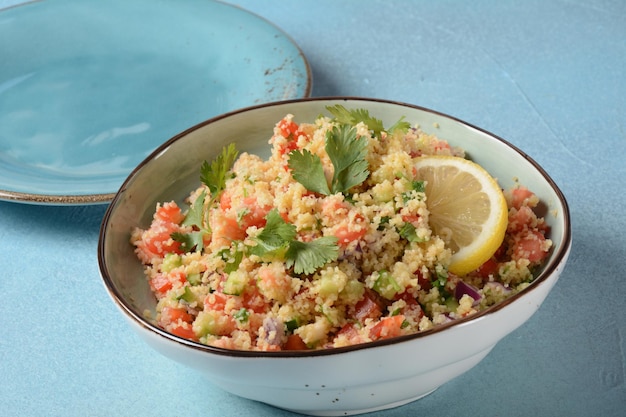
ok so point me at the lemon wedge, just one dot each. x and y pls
(467, 209)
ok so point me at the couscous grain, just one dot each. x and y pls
(261, 262)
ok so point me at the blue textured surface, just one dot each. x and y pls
(549, 76)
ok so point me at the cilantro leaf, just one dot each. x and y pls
(353, 117)
(232, 260)
(306, 168)
(213, 175)
(306, 257)
(189, 241)
(276, 235)
(400, 125)
(347, 153)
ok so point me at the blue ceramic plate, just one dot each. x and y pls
(89, 88)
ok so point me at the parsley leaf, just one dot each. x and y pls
(306, 257)
(419, 186)
(196, 218)
(408, 232)
(213, 175)
(195, 215)
(306, 168)
(347, 153)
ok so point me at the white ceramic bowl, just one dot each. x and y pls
(341, 381)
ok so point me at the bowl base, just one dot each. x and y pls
(334, 413)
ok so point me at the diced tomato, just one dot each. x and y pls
(174, 314)
(169, 212)
(408, 298)
(530, 246)
(350, 231)
(520, 218)
(345, 236)
(285, 217)
(160, 242)
(412, 308)
(368, 307)
(255, 215)
(424, 282)
(334, 208)
(411, 218)
(387, 327)
(348, 330)
(254, 300)
(225, 199)
(288, 128)
(288, 147)
(290, 131)
(186, 332)
(216, 301)
(161, 283)
(225, 229)
(295, 342)
(519, 195)
(488, 268)
(178, 321)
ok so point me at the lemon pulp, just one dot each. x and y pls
(467, 209)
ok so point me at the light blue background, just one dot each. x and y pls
(549, 76)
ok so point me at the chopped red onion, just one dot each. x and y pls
(463, 288)
(274, 330)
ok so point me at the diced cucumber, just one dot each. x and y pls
(386, 285)
(235, 283)
(171, 261)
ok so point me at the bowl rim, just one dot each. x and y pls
(138, 318)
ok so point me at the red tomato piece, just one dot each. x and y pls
(174, 315)
(186, 332)
(368, 307)
(169, 212)
(530, 246)
(387, 327)
(255, 213)
(216, 301)
(488, 268)
(295, 342)
(519, 195)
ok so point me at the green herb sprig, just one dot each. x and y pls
(213, 175)
(347, 153)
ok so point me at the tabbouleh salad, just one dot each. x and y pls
(325, 244)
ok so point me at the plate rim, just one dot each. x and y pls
(82, 198)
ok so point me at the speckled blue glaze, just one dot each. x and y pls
(89, 89)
